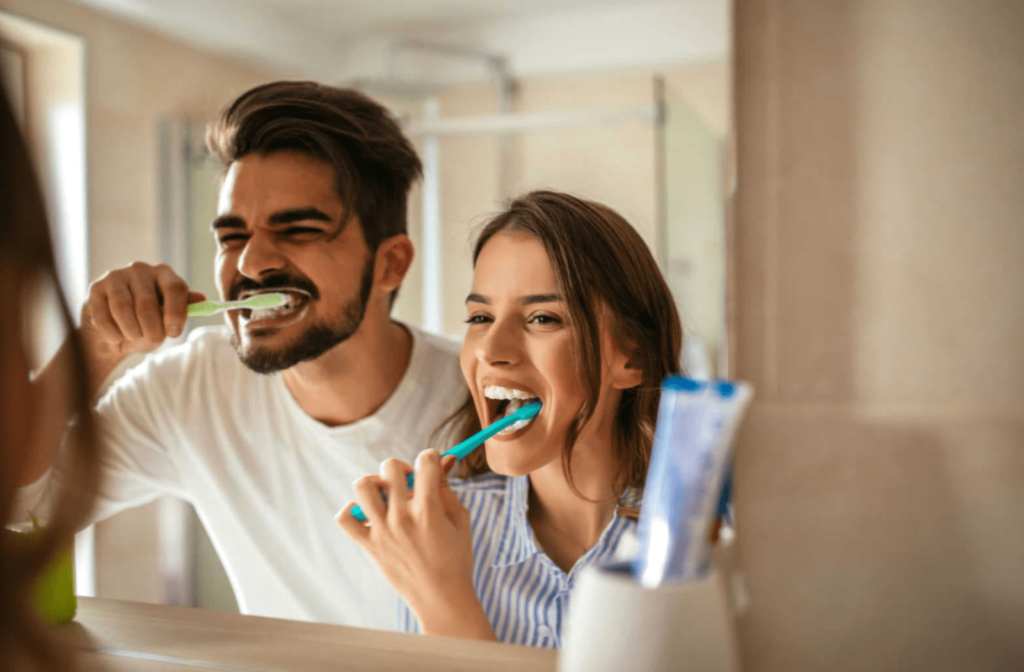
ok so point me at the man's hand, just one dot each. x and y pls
(133, 310)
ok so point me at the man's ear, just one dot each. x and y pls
(394, 257)
(626, 372)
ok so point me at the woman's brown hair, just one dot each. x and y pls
(26, 257)
(601, 264)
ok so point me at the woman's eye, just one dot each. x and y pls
(545, 319)
(478, 319)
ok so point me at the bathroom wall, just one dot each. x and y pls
(878, 306)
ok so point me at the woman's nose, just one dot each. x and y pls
(500, 345)
(260, 256)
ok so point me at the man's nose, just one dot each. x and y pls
(260, 256)
(501, 345)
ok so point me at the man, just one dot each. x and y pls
(264, 424)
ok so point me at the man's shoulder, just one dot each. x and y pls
(447, 346)
(209, 344)
(438, 362)
(214, 336)
(206, 350)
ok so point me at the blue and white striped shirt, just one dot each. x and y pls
(524, 593)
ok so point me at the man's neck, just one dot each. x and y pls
(354, 379)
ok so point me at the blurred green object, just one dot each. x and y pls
(54, 591)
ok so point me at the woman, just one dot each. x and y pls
(27, 412)
(568, 307)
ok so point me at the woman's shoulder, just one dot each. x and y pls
(484, 483)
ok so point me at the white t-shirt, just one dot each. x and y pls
(265, 478)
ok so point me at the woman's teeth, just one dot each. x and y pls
(515, 399)
(497, 392)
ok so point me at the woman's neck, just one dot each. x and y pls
(566, 525)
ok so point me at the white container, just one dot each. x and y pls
(616, 624)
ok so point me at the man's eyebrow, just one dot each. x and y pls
(228, 222)
(299, 215)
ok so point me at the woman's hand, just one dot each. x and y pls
(421, 542)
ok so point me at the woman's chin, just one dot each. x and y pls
(503, 463)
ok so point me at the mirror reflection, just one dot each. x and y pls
(485, 209)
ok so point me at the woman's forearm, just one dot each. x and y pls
(52, 386)
(465, 622)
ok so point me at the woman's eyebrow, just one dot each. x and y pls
(526, 300)
(540, 298)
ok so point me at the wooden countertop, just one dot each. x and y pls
(116, 636)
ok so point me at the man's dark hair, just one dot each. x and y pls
(374, 163)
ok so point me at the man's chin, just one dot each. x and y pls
(258, 353)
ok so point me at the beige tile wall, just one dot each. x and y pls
(132, 78)
(879, 292)
(612, 164)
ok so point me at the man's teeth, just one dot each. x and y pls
(291, 305)
(266, 313)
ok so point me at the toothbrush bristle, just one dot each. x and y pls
(266, 301)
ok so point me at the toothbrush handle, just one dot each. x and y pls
(466, 447)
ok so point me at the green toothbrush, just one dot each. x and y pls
(207, 308)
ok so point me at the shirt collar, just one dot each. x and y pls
(519, 545)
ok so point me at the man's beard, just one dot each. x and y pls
(316, 339)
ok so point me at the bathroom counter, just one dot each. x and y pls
(115, 636)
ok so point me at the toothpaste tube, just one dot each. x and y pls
(689, 462)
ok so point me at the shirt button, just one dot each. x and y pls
(544, 631)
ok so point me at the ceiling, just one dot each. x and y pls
(354, 17)
(338, 40)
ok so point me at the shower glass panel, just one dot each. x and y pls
(694, 233)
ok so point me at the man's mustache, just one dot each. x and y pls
(272, 282)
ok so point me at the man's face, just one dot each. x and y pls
(277, 230)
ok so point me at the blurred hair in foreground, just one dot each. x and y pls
(26, 262)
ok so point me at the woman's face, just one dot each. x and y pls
(519, 346)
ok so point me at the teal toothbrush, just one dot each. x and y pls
(207, 308)
(460, 451)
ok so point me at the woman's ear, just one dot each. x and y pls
(394, 257)
(626, 373)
